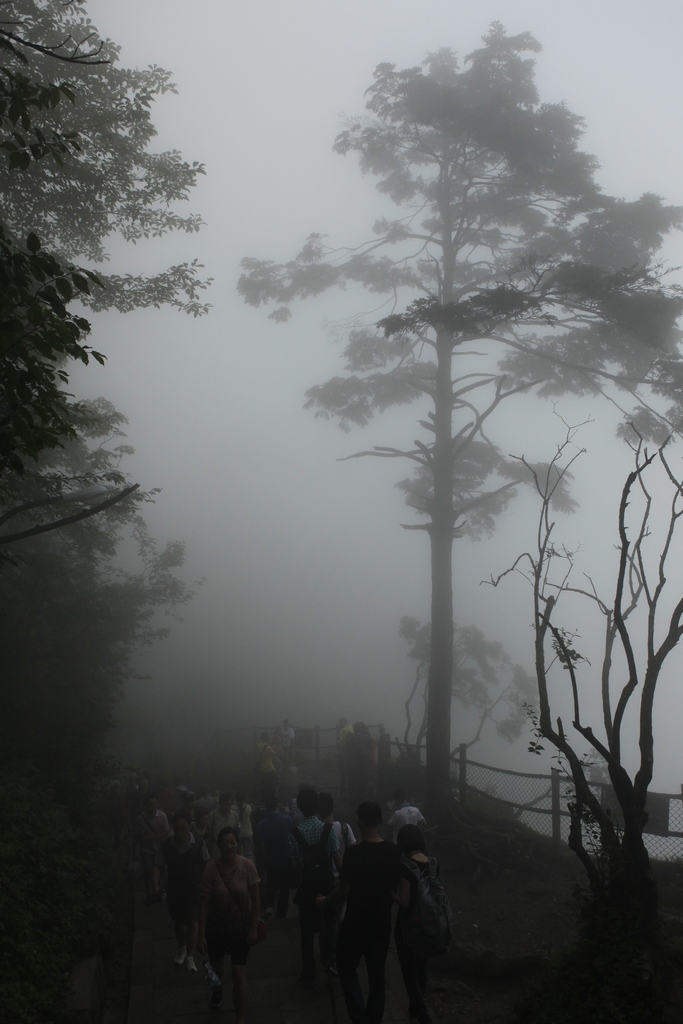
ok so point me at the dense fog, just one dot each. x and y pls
(307, 571)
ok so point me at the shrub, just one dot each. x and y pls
(56, 888)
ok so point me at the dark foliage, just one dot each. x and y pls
(55, 897)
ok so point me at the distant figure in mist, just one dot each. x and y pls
(188, 804)
(345, 731)
(403, 813)
(220, 819)
(205, 801)
(272, 836)
(329, 923)
(201, 827)
(168, 799)
(240, 820)
(136, 791)
(286, 741)
(185, 854)
(264, 769)
(152, 828)
(257, 816)
(361, 751)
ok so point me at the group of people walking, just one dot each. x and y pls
(222, 865)
(347, 890)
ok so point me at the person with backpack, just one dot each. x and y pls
(313, 846)
(404, 813)
(332, 911)
(369, 879)
(423, 923)
(271, 837)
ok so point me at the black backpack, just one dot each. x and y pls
(316, 864)
(426, 925)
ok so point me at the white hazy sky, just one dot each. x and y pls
(308, 571)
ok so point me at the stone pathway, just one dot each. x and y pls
(161, 993)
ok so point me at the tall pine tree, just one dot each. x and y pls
(502, 239)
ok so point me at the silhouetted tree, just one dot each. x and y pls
(642, 625)
(485, 681)
(521, 274)
(73, 617)
(74, 131)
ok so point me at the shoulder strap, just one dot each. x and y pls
(322, 842)
(414, 868)
(325, 835)
(224, 878)
(299, 838)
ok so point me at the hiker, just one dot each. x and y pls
(205, 802)
(361, 753)
(240, 820)
(202, 828)
(264, 769)
(404, 813)
(185, 854)
(332, 912)
(152, 828)
(272, 845)
(344, 731)
(257, 816)
(312, 847)
(369, 879)
(421, 931)
(219, 819)
(286, 741)
(228, 916)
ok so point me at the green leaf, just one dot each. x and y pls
(32, 242)
(81, 283)
(64, 288)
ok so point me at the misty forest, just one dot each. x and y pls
(341, 438)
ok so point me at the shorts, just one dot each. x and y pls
(183, 906)
(221, 942)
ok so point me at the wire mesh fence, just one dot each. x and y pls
(540, 801)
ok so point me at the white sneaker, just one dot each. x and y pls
(191, 965)
(181, 957)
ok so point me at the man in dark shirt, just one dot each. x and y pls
(272, 834)
(311, 835)
(369, 879)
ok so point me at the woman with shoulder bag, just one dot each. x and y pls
(229, 917)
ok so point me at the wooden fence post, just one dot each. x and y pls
(555, 805)
(462, 775)
(317, 743)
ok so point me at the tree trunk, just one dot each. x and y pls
(441, 538)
